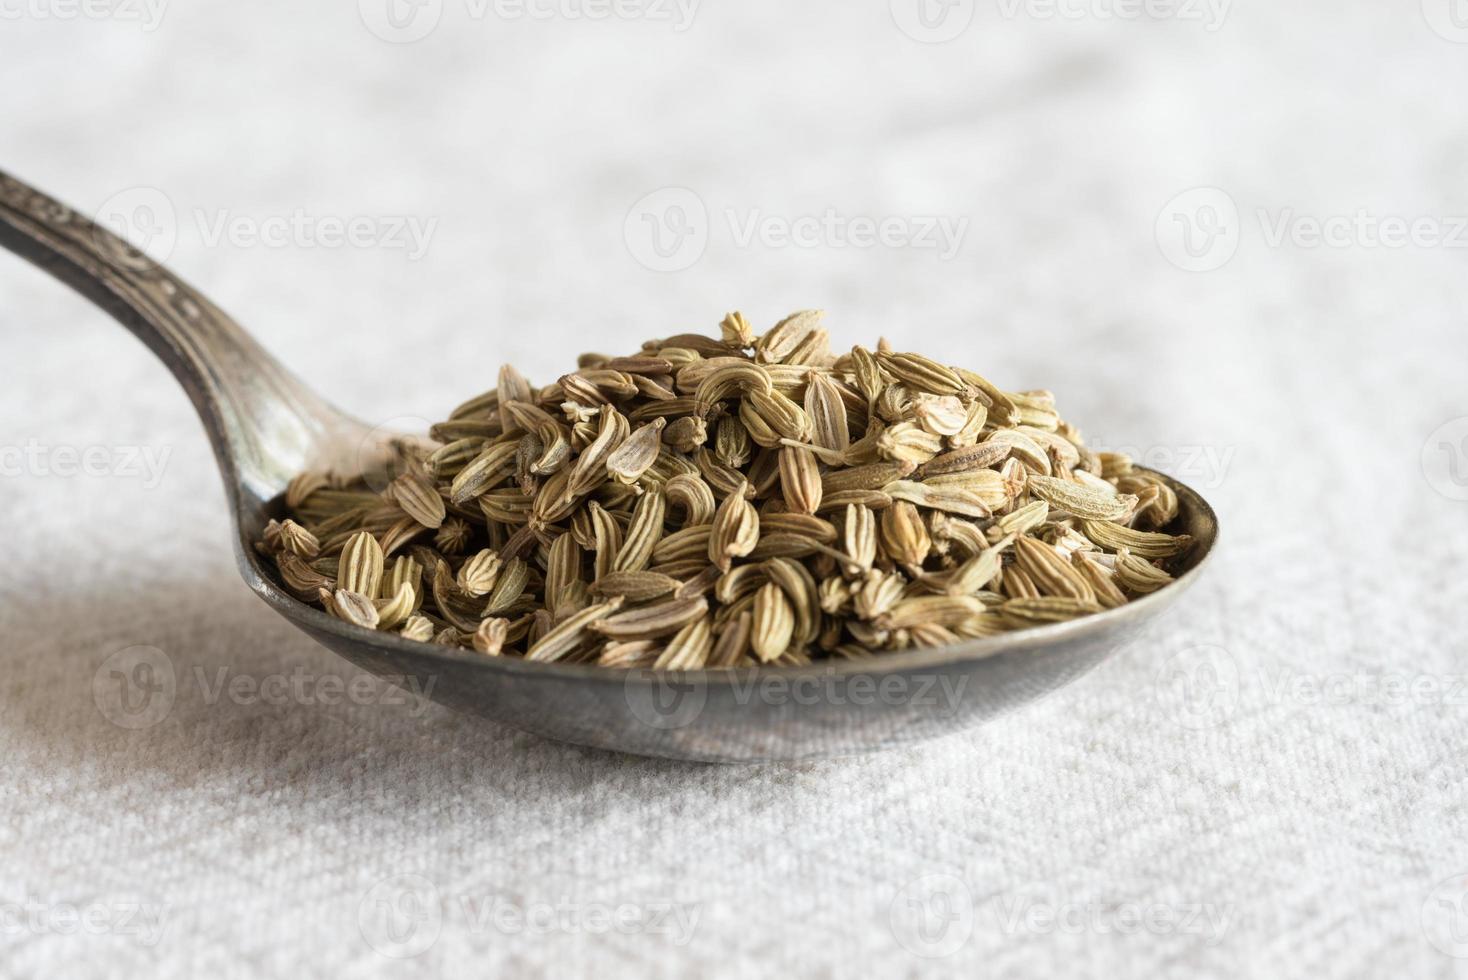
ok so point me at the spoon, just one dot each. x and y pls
(265, 426)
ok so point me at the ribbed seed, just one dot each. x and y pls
(644, 531)
(1144, 544)
(608, 541)
(513, 578)
(651, 622)
(1052, 574)
(355, 608)
(395, 610)
(871, 477)
(361, 565)
(736, 331)
(904, 536)
(949, 500)
(489, 639)
(478, 575)
(571, 633)
(418, 628)
(735, 530)
(800, 480)
(827, 412)
(494, 464)
(732, 644)
(637, 453)
(689, 648)
(1081, 501)
(635, 586)
(563, 563)
(784, 336)
(691, 494)
(1139, 576)
(861, 536)
(774, 623)
(922, 373)
(977, 457)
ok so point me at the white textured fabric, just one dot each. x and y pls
(1132, 825)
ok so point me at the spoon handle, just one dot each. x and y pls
(263, 423)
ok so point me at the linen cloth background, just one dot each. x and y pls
(1197, 776)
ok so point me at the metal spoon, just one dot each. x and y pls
(266, 426)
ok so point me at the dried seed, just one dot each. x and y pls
(774, 623)
(936, 610)
(827, 411)
(1144, 544)
(489, 638)
(300, 489)
(478, 575)
(608, 540)
(979, 457)
(922, 373)
(905, 442)
(419, 499)
(950, 500)
(689, 648)
(651, 622)
(861, 537)
(1139, 576)
(417, 628)
(735, 530)
(452, 536)
(489, 468)
(736, 331)
(361, 565)
(395, 610)
(563, 563)
(800, 480)
(692, 495)
(785, 335)
(904, 536)
(571, 633)
(354, 608)
(1052, 574)
(512, 581)
(638, 452)
(633, 653)
(871, 477)
(1081, 501)
(297, 540)
(732, 644)
(644, 531)
(635, 586)
(686, 434)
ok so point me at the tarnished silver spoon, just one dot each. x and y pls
(266, 426)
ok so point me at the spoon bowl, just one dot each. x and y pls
(265, 426)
